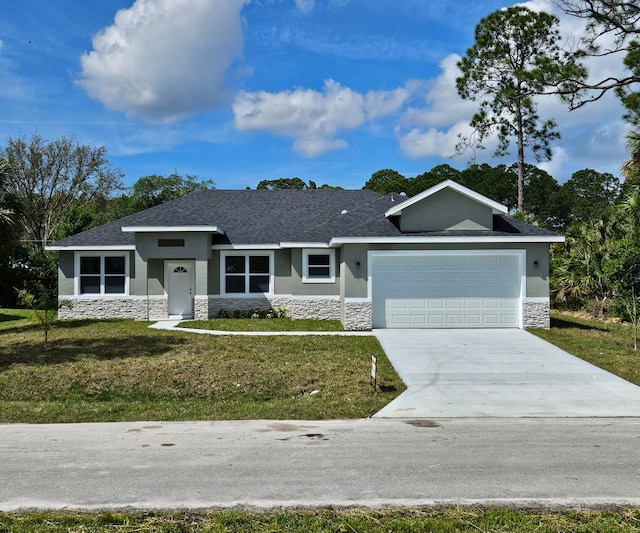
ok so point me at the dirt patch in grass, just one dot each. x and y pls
(115, 370)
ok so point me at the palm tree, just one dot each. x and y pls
(631, 169)
(10, 227)
(580, 278)
(631, 172)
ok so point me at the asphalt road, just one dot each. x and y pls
(374, 462)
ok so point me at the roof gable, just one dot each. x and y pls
(497, 209)
(447, 206)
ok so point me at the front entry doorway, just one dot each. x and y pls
(180, 286)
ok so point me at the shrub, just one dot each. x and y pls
(278, 312)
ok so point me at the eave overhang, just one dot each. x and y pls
(105, 248)
(167, 229)
(440, 239)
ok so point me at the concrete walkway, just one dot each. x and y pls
(173, 325)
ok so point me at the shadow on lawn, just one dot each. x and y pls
(8, 318)
(65, 350)
(560, 323)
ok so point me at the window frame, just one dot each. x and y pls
(102, 274)
(306, 252)
(246, 275)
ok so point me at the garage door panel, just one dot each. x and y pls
(472, 290)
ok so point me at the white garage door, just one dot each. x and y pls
(463, 290)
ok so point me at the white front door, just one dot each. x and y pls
(180, 281)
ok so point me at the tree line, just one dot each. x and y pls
(50, 190)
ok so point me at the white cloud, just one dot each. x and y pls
(556, 167)
(443, 106)
(311, 118)
(306, 6)
(383, 103)
(163, 60)
(419, 142)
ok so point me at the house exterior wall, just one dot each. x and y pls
(356, 302)
(297, 287)
(347, 299)
(446, 210)
(537, 277)
(66, 272)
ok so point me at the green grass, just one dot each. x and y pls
(604, 344)
(328, 520)
(263, 324)
(119, 370)
(11, 318)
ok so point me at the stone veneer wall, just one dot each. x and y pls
(357, 315)
(535, 314)
(136, 308)
(201, 309)
(296, 307)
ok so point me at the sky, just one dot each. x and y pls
(240, 91)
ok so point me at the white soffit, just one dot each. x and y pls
(164, 229)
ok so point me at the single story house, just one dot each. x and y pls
(446, 258)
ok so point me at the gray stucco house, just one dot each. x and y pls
(448, 257)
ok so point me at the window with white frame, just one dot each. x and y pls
(247, 273)
(318, 266)
(102, 274)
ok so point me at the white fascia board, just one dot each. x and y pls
(112, 247)
(337, 241)
(246, 246)
(304, 245)
(163, 229)
(495, 206)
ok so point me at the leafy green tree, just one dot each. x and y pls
(284, 183)
(387, 181)
(74, 219)
(497, 183)
(292, 183)
(544, 198)
(590, 194)
(147, 192)
(47, 177)
(156, 189)
(428, 179)
(516, 57)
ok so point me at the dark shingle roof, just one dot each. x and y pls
(271, 217)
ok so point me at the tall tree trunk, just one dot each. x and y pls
(520, 142)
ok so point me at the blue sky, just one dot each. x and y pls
(238, 92)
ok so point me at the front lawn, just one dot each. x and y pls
(462, 520)
(604, 344)
(118, 370)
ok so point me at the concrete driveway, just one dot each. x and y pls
(498, 373)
